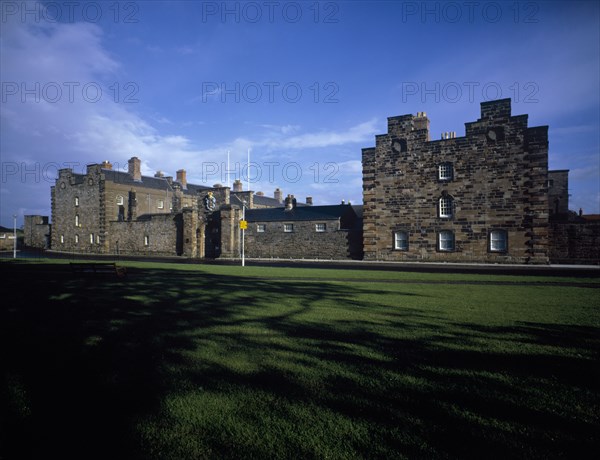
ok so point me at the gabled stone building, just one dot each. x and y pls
(482, 197)
(106, 211)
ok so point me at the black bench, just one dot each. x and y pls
(99, 268)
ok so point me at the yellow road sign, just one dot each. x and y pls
(244, 224)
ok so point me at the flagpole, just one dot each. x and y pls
(228, 180)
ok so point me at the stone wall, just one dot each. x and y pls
(304, 242)
(575, 242)
(497, 181)
(36, 232)
(154, 235)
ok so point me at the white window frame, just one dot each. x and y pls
(62, 239)
(91, 238)
(261, 228)
(120, 200)
(76, 239)
(146, 240)
(320, 227)
(288, 228)
(445, 205)
(498, 240)
(445, 171)
(446, 241)
(77, 223)
(76, 201)
(97, 239)
(161, 204)
(398, 246)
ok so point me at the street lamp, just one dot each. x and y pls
(14, 236)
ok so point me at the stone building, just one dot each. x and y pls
(310, 232)
(482, 197)
(486, 196)
(106, 211)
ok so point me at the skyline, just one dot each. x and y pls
(303, 85)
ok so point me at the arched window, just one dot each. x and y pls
(76, 220)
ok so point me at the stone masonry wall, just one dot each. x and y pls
(77, 223)
(498, 182)
(36, 231)
(575, 243)
(302, 243)
(155, 235)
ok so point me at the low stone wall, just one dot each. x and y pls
(36, 232)
(575, 242)
(302, 243)
(153, 235)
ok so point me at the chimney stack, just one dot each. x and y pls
(106, 165)
(278, 195)
(135, 168)
(159, 174)
(309, 200)
(237, 185)
(182, 179)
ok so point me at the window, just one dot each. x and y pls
(77, 224)
(445, 206)
(401, 241)
(260, 228)
(445, 171)
(288, 228)
(120, 200)
(446, 240)
(91, 238)
(62, 239)
(97, 239)
(161, 204)
(146, 240)
(320, 227)
(76, 239)
(498, 241)
(76, 201)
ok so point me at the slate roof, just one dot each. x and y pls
(157, 183)
(266, 201)
(328, 212)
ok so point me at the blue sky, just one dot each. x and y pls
(303, 85)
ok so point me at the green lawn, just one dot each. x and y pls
(194, 361)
